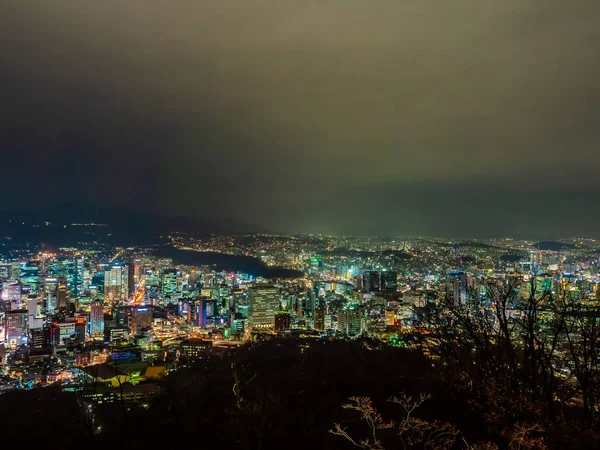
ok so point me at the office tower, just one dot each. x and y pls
(34, 319)
(15, 326)
(169, 282)
(130, 279)
(319, 318)
(65, 330)
(97, 280)
(371, 281)
(389, 281)
(141, 317)
(96, 318)
(49, 292)
(39, 338)
(29, 276)
(200, 313)
(116, 336)
(282, 321)
(350, 320)
(55, 334)
(122, 315)
(456, 287)
(184, 309)
(264, 301)
(12, 293)
(80, 329)
(78, 276)
(115, 284)
(195, 349)
(312, 299)
(61, 295)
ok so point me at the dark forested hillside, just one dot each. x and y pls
(288, 393)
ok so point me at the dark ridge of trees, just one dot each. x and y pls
(32, 416)
(289, 393)
(512, 257)
(554, 246)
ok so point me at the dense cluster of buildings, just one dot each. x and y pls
(126, 312)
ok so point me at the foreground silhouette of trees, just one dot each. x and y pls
(531, 357)
(289, 393)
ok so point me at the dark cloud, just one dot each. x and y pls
(422, 117)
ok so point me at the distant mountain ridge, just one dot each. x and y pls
(66, 222)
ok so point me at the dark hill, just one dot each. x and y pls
(292, 394)
(67, 224)
(553, 246)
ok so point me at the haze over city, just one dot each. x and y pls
(462, 118)
(281, 224)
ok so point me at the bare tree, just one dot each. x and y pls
(410, 431)
(582, 332)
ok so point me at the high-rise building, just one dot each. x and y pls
(77, 276)
(264, 301)
(371, 281)
(80, 329)
(11, 292)
(15, 325)
(319, 319)
(62, 300)
(34, 319)
(389, 281)
(141, 317)
(456, 287)
(50, 290)
(350, 320)
(130, 279)
(200, 313)
(39, 338)
(96, 318)
(116, 284)
(282, 321)
(169, 282)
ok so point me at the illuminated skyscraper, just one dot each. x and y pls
(456, 287)
(78, 276)
(141, 317)
(15, 324)
(264, 301)
(319, 318)
(350, 320)
(116, 284)
(96, 318)
(50, 291)
(62, 300)
(34, 319)
(200, 313)
(130, 279)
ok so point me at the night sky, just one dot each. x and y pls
(447, 118)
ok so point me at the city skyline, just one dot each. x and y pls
(276, 224)
(345, 118)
